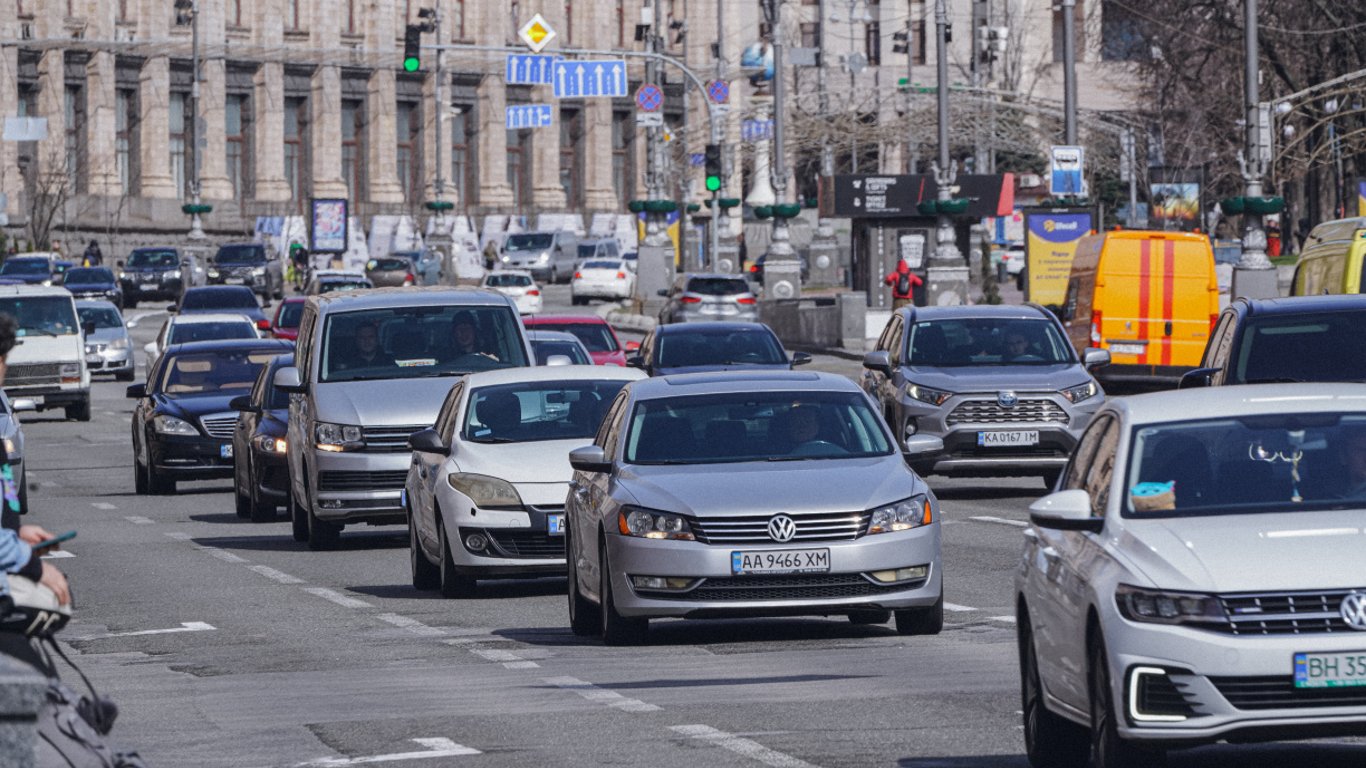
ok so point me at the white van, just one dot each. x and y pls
(48, 363)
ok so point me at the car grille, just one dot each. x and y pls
(766, 588)
(219, 424)
(1279, 692)
(337, 480)
(1028, 410)
(30, 374)
(389, 439)
(528, 544)
(1283, 613)
(753, 529)
(1160, 695)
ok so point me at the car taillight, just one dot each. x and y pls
(753, 267)
(408, 280)
(621, 275)
(690, 300)
(578, 275)
(745, 300)
(533, 292)
(263, 325)
(1095, 328)
(1213, 320)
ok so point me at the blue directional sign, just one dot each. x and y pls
(581, 79)
(756, 130)
(529, 69)
(529, 116)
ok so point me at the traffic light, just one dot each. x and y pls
(713, 167)
(412, 44)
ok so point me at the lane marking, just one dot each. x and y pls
(59, 554)
(185, 626)
(1000, 520)
(956, 608)
(1006, 619)
(521, 665)
(223, 554)
(179, 535)
(601, 696)
(740, 746)
(434, 748)
(102, 505)
(274, 575)
(495, 654)
(410, 624)
(139, 520)
(331, 595)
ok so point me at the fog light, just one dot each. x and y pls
(476, 542)
(914, 573)
(661, 583)
(910, 429)
(331, 503)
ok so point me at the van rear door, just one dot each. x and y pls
(1160, 296)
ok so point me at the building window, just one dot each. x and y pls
(350, 27)
(568, 22)
(293, 18)
(123, 10)
(1121, 34)
(872, 43)
(462, 178)
(518, 147)
(235, 117)
(516, 17)
(125, 132)
(918, 41)
(353, 150)
(458, 28)
(234, 13)
(623, 156)
(621, 23)
(1078, 28)
(176, 120)
(811, 34)
(75, 137)
(296, 162)
(407, 130)
(571, 169)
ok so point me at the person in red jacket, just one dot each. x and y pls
(903, 281)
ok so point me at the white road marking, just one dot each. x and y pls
(410, 624)
(601, 696)
(102, 505)
(495, 654)
(274, 575)
(179, 535)
(223, 554)
(57, 555)
(521, 665)
(185, 626)
(1006, 619)
(956, 608)
(1000, 520)
(337, 597)
(740, 746)
(139, 520)
(438, 747)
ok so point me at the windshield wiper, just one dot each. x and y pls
(794, 458)
(491, 440)
(1280, 380)
(42, 331)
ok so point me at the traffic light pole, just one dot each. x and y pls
(946, 280)
(1254, 277)
(196, 159)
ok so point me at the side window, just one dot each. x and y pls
(886, 331)
(1074, 476)
(445, 418)
(898, 335)
(303, 346)
(1069, 307)
(1102, 469)
(1220, 344)
(608, 434)
(258, 389)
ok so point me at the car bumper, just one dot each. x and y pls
(359, 487)
(254, 282)
(725, 314)
(160, 289)
(717, 592)
(528, 305)
(191, 458)
(53, 395)
(272, 475)
(518, 542)
(119, 361)
(600, 290)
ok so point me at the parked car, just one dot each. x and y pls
(518, 285)
(390, 271)
(155, 274)
(374, 368)
(1193, 579)
(232, 299)
(548, 256)
(557, 348)
(1333, 259)
(93, 283)
(30, 270)
(1014, 259)
(426, 265)
(182, 423)
(260, 472)
(999, 385)
(707, 347)
(285, 324)
(1306, 338)
(12, 433)
(593, 331)
(48, 364)
(699, 296)
(108, 348)
(183, 329)
(607, 279)
(486, 490)
(599, 248)
(336, 281)
(750, 494)
(251, 265)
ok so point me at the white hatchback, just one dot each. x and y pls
(608, 279)
(518, 285)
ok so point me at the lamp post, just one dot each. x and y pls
(1254, 276)
(187, 12)
(782, 272)
(947, 277)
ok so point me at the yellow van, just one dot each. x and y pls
(1331, 259)
(1148, 297)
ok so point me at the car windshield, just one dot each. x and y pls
(1273, 463)
(528, 243)
(193, 374)
(596, 336)
(152, 259)
(219, 298)
(534, 411)
(276, 399)
(986, 341)
(587, 250)
(228, 329)
(240, 254)
(507, 281)
(42, 315)
(717, 286)
(418, 342)
(1323, 346)
(328, 286)
(88, 275)
(702, 345)
(290, 313)
(544, 348)
(26, 267)
(388, 264)
(755, 426)
(101, 317)
(604, 264)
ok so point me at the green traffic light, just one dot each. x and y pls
(713, 183)
(411, 64)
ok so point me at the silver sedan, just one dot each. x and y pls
(1197, 577)
(749, 494)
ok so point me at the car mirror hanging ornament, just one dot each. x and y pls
(1258, 452)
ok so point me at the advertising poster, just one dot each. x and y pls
(329, 225)
(1361, 197)
(1051, 237)
(1174, 198)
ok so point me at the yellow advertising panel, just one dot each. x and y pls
(1050, 242)
(1361, 198)
(672, 230)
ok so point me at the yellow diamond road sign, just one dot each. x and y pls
(536, 33)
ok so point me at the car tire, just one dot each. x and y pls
(1108, 749)
(921, 621)
(80, 411)
(23, 495)
(298, 523)
(453, 584)
(583, 615)
(865, 618)
(139, 476)
(130, 303)
(577, 301)
(615, 628)
(322, 535)
(1050, 741)
(158, 486)
(426, 577)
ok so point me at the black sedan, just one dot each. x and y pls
(93, 283)
(182, 424)
(261, 474)
(30, 270)
(236, 299)
(707, 347)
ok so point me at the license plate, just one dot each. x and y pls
(225, 451)
(1014, 437)
(235, 280)
(92, 359)
(780, 561)
(555, 524)
(149, 286)
(1330, 670)
(1127, 349)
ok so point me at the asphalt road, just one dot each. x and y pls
(227, 644)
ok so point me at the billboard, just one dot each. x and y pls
(1051, 236)
(1361, 197)
(329, 225)
(1174, 198)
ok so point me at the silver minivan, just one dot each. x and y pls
(372, 367)
(550, 257)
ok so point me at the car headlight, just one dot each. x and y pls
(927, 395)
(545, 256)
(337, 437)
(70, 371)
(119, 344)
(258, 271)
(174, 274)
(486, 492)
(11, 449)
(91, 349)
(1083, 392)
(123, 275)
(901, 516)
(649, 524)
(170, 425)
(268, 444)
(1161, 607)
(213, 273)
(47, 283)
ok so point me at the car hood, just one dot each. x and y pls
(714, 368)
(543, 461)
(255, 314)
(190, 408)
(1242, 553)
(994, 378)
(106, 335)
(384, 403)
(748, 488)
(75, 287)
(239, 267)
(610, 357)
(274, 423)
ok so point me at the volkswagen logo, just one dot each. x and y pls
(782, 528)
(1007, 399)
(1353, 608)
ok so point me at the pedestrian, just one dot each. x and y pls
(743, 251)
(490, 254)
(93, 256)
(903, 282)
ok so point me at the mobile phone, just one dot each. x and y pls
(47, 544)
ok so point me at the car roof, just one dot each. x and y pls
(563, 320)
(691, 275)
(517, 272)
(101, 303)
(534, 334)
(1297, 305)
(229, 345)
(212, 317)
(27, 257)
(710, 328)
(382, 298)
(338, 273)
(553, 373)
(217, 289)
(965, 311)
(741, 381)
(14, 289)
(1241, 400)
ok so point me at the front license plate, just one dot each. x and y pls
(1014, 437)
(92, 359)
(780, 561)
(1127, 349)
(235, 280)
(555, 524)
(149, 286)
(1330, 670)
(225, 451)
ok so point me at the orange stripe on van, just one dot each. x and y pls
(1168, 289)
(1145, 252)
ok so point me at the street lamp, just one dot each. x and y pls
(855, 63)
(187, 13)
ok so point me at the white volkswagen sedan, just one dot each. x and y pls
(1198, 577)
(518, 285)
(486, 489)
(609, 279)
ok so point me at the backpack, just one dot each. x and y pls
(903, 284)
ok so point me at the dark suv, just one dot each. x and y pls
(249, 264)
(153, 274)
(1305, 338)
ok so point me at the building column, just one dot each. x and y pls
(268, 127)
(100, 102)
(381, 143)
(52, 105)
(325, 133)
(154, 87)
(213, 174)
(495, 194)
(547, 194)
(11, 181)
(599, 195)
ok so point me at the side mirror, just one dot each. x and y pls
(150, 348)
(632, 346)
(663, 291)
(1066, 511)
(427, 441)
(559, 360)
(922, 446)
(1096, 358)
(119, 263)
(800, 358)
(635, 361)
(88, 328)
(184, 262)
(171, 308)
(287, 380)
(1200, 377)
(136, 391)
(23, 405)
(241, 403)
(589, 458)
(878, 360)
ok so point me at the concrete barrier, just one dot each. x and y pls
(22, 693)
(820, 322)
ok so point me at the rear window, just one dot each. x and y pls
(706, 346)
(144, 259)
(597, 337)
(182, 333)
(717, 286)
(603, 264)
(216, 298)
(507, 281)
(89, 275)
(240, 254)
(26, 267)
(384, 265)
(545, 348)
(1325, 346)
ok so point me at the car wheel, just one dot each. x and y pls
(322, 535)
(615, 628)
(426, 576)
(583, 615)
(298, 523)
(1050, 741)
(1108, 750)
(577, 301)
(158, 486)
(452, 584)
(870, 617)
(80, 411)
(139, 476)
(921, 621)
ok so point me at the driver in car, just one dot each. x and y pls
(367, 353)
(1017, 345)
(801, 427)
(465, 338)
